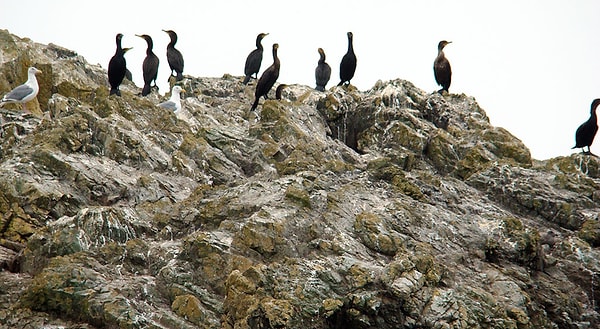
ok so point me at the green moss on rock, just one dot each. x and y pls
(298, 195)
(271, 111)
(383, 169)
(279, 312)
(526, 243)
(590, 232)
(512, 224)
(263, 237)
(47, 160)
(507, 146)
(296, 162)
(64, 287)
(190, 308)
(441, 152)
(405, 186)
(474, 160)
(371, 230)
(330, 306)
(338, 166)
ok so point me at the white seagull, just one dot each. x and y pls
(25, 92)
(174, 103)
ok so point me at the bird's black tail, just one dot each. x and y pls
(179, 76)
(341, 83)
(320, 88)
(246, 80)
(255, 105)
(146, 89)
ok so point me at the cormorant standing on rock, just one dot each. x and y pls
(441, 68)
(348, 64)
(254, 59)
(279, 90)
(150, 65)
(322, 72)
(584, 136)
(25, 92)
(117, 67)
(267, 79)
(174, 56)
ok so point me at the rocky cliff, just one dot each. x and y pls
(385, 208)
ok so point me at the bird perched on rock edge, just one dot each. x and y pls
(322, 72)
(348, 63)
(174, 56)
(149, 66)
(267, 79)
(584, 136)
(117, 67)
(441, 68)
(174, 102)
(254, 59)
(25, 92)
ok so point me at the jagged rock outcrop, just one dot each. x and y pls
(389, 208)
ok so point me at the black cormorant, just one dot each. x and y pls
(348, 64)
(117, 67)
(174, 56)
(322, 72)
(441, 68)
(279, 90)
(150, 65)
(584, 136)
(25, 92)
(254, 59)
(267, 79)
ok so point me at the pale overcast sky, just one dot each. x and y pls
(534, 66)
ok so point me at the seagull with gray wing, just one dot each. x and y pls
(25, 92)
(174, 103)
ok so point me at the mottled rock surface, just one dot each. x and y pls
(385, 208)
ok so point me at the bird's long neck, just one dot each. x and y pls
(258, 43)
(593, 111)
(150, 46)
(322, 59)
(119, 48)
(275, 58)
(173, 41)
(441, 50)
(350, 46)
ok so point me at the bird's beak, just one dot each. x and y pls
(139, 35)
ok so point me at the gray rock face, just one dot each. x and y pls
(389, 208)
